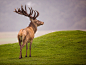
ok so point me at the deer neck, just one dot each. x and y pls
(34, 26)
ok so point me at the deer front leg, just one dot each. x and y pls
(30, 48)
(26, 49)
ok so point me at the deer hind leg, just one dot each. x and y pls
(26, 49)
(21, 50)
(20, 53)
(20, 47)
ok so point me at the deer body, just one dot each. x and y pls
(27, 35)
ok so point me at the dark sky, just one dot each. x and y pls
(56, 14)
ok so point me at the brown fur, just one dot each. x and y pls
(27, 35)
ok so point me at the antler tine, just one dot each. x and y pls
(15, 10)
(34, 14)
(37, 14)
(18, 9)
(21, 7)
(31, 11)
(22, 10)
(25, 8)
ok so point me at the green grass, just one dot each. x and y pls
(63, 47)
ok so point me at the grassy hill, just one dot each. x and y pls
(63, 47)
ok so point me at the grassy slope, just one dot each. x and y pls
(63, 47)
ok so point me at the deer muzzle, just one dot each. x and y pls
(42, 23)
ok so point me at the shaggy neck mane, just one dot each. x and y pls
(34, 27)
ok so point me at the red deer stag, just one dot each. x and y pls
(26, 35)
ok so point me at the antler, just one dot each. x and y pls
(24, 12)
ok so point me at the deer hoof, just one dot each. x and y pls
(25, 56)
(30, 56)
(20, 58)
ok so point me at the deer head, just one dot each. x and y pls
(32, 18)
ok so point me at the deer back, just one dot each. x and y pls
(26, 35)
